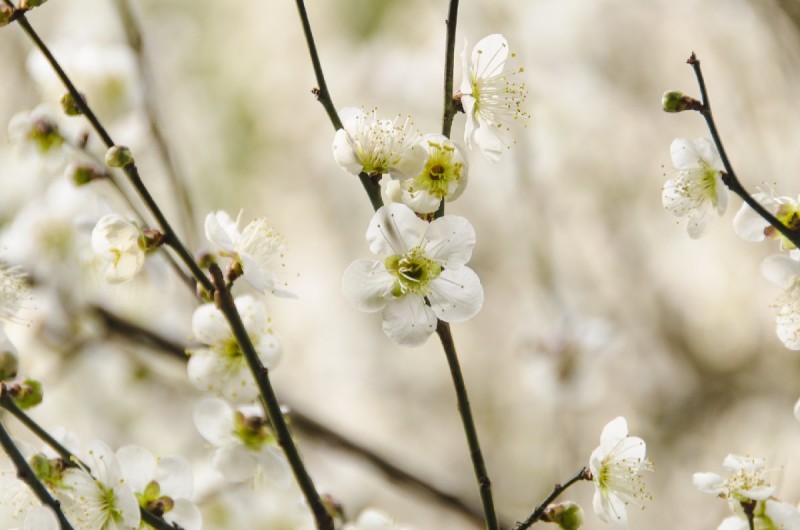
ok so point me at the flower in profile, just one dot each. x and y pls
(120, 246)
(767, 515)
(443, 177)
(698, 189)
(103, 499)
(258, 250)
(246, 446)
(752, 227)
(784, 271)
(745, 483)
(490, 96)
(372, 519)
(220, 366)
(423, 262)
(616, 467)
(163, 486)
(377, 147)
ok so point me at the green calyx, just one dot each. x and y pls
(49, 471)
(413, 271)
(253, 431)
(152, 500)
(45, 135)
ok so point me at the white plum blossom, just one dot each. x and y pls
(616, 467)
(767, 515)
(698, 189)
(163, 486)
(750, 226)
(443, 177)
(245, 445)
(372, 519)
(103, 500)
(745, 483)
(38, 133)
(221, 366)
(377, 147)
(258, 249)
(14, 291)
(422, 262)
(784, 271)
(120, 246)
(490, 96)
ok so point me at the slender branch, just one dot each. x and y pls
(449, 61)
(558, 489)
(70, 460)
(130, 169)
(481, 475)
(225, 303)
(729, 178)
(121, 326)
(26, 474)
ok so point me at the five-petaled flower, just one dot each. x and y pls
(120, 246)
(422, 276)
(698, 189)
(745, 483)
(490, 96)
(616, 467)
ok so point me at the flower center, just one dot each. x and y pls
(789, 215)
(413, 272)
(253, 431)
(152, 500)
(440, 173)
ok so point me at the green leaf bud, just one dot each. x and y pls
(119, 156)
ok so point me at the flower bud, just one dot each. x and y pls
(28, 394)
(9, 360)
(567, 515)
(119, 156)
(70, 106)
(675, 101)
(6, 12)
(81, 174)
(30, 4)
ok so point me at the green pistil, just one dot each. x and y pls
(413, 271)
(439, 171)
(232, 350)
(253, 431)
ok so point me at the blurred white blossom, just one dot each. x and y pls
(745, 482)
(616, 467)
(119, 245)
(698, 189)
(37, 133)
(258, 249)
(422, 261)
(784, 271)
(245, 445)
(377, 147)
(221, 366)
(14, 291)
(490, 96)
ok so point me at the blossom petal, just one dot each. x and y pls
(450, 240)
(610, 508)
(613, 433)
(174, 475)
(274, 466)
(209, 325)
(235, 462)
(456, 295)
(41, 518)
(345, 154)
(699, 220)
(214, 420)
(684, 154)
(269, 350)
(408, 321)
(709, 483)
(394, 230)
(748, 224)
(221, 230)
(253, 315)
(781, 270)
(489, 55)
(185, 514)
(367, 285)
(138, 466)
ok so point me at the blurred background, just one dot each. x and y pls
(597, 302)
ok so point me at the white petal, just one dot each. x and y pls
(722, 195)
(127, 504)
(450, 240)
(214, 420)
(345, 154)
(367, 285)
(103, 463)
(394, 230)
(797, 410)
(613, 433)
(411, 164)
(784, 516)
(489, 56)
(41, 518)
(699, 220)
(235, 462)
(733, 523)
(408, 321)
(683, 153)
(209, 325)
(610, 508)
(138, 466)
(274, 466)
(708, 483)
(489, 140)
(748, 224)
(253, 314)
(780, 270)
(269, 350)
(466, 81)
(174, 475)
(456, 295)
(471, 125)
(788, 326)
(221, 230)
(420, 200)
(185, 514)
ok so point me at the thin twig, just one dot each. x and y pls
(449, 62)
(26, 474)
(481, 475)
(225, 303)
(729, 178)
(558, 489)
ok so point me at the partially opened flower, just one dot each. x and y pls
(491, 96)
(616, 467)
(221, 366)
(750, 226)
(246, 446)
(258, 249)
(103, 499)
(698, 189)
(744, 484)
(120, 245)
(377, 147)
(443, 177)
(421, 277)
(163, 486)
(784, 271)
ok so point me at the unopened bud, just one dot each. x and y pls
(81, 174)
(28, 394)
(674, 101)
(6, 12)
(119, 156)
(567, 515)
(152, 239)
(9, 360)
(70, 106)
(30, 4)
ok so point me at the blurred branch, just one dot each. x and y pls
(176, 179)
